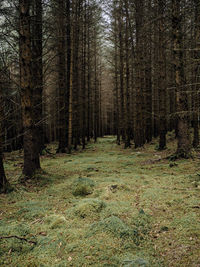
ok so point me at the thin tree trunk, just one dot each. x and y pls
(162, 76)
(62, 78)
(68, 39)
(148, 76)
(37, 67)
(121, 71)
(4, 185)
(127, 92)
(139, 131)
(70, 127)
(196, 72)
(116, 87)
(183, 146)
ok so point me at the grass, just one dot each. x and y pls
(105, 206)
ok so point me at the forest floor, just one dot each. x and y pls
(104, 206)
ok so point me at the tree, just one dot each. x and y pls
(37, 70)
(61, 76)
(184, 146)
(162, 75)
(139, 129)
(4, 185)
(196, 75)
(31, 155)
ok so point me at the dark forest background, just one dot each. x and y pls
(76, 70)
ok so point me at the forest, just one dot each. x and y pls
(99, 133)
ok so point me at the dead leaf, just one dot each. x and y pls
(70, 259)
(42, 233)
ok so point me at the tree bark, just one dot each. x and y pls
(183, 146)
(3, 181)
(162, 76)
(139, 130)
(31, 155)
(62, 77)
(196, 73)
(37, 73)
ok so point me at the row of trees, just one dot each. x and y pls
(155, 65)
(62, 80)
(52, 77)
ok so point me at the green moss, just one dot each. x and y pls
(113, 225)
(32, 210)
(88, 207)
(82, 187)
(136, 263)
(140, 210)
(55, 221)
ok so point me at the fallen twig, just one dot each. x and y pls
(196, 207)
(20, 238)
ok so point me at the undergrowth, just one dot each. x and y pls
(105, 206)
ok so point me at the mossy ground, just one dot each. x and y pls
(139, 209)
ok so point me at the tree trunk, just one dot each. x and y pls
(76, 74)
(62, 78)
(31, 155)
(155, 76)
(162, 76)
(184, 146)
(4, 185)
(127, 91)
(121, 71)
(139, 131)
(196, 73)
(148, 75)
(70, 114)
(37, 72)
(116, 87)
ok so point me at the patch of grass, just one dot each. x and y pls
(55, 221)
(82, 187)
(113, 225)
(139, 262)
(140, 228)
(88, 207)
(130, 208)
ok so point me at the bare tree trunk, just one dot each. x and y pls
(88, 76)
(70, 127)
(148, 75)
(83, 75)
(37, 67)
(31, 155)
(127, 91)
(162, 75)
(68, 39)
(62, 77)
(116, 87)
(139, 131)
(3, 181)
(96, 89)
(76, 84)
(155, 76)
(196, 72)
(121, 71)
(184, 146)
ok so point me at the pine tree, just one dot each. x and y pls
(31, 155)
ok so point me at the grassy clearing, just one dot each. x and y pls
(105, 206)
